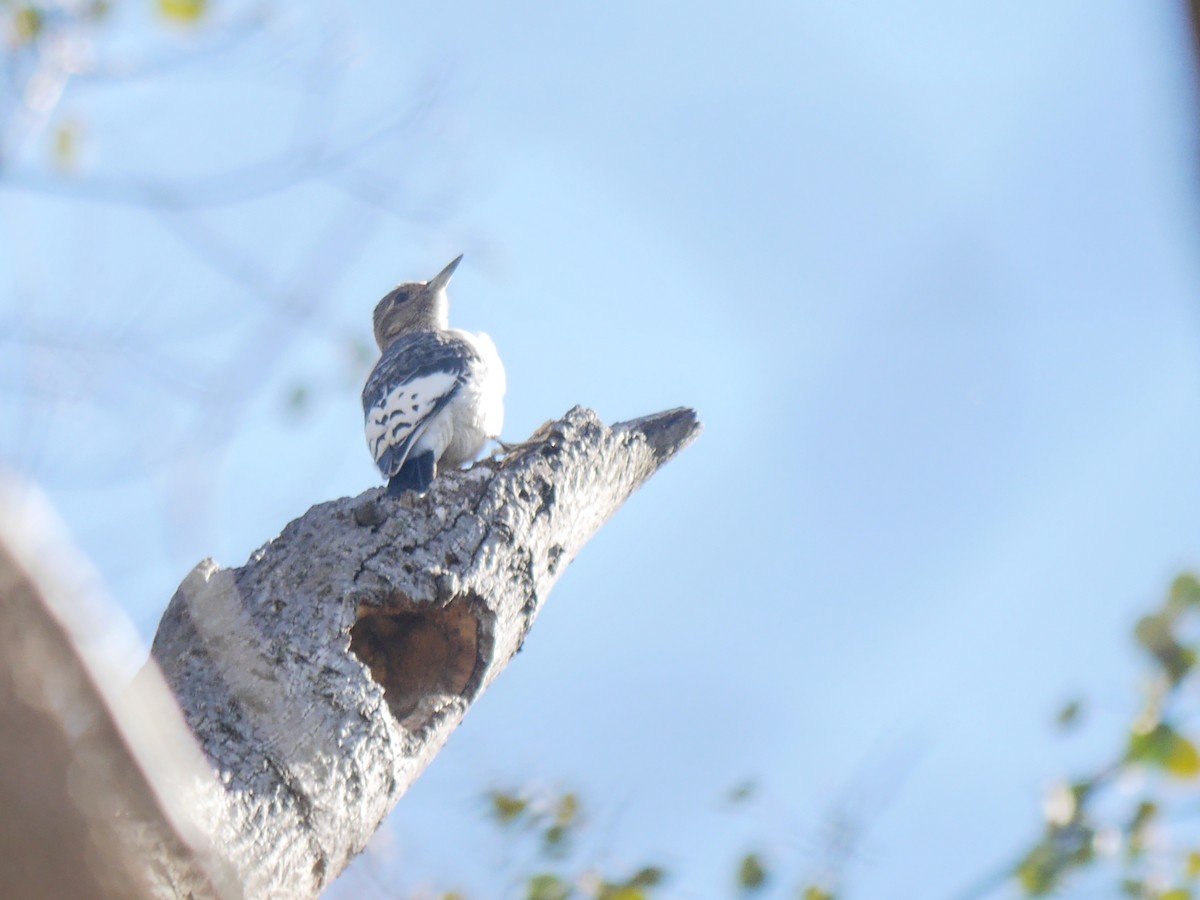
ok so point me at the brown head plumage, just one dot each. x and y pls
(414, 306)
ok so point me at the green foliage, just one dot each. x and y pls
(620, 893)
(27, 24)
(33, 34)
(507, 808)
(183, 12)
(1138, 829)
(1164, 748)
(740, 793)
(1159, 758)
(557, 835)
(1132, 836)
(547, 886)
(550, 825)
(555, 861)
(1047, 865)
(1068, 717)
(752, 873)
(567, 810)
(650, 876)
(1185, 591)
(1156, 634)
(555, 838)
(67, 140)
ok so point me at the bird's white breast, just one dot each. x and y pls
(476, 414)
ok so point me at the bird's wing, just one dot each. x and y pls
(412, 382)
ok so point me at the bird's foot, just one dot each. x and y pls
(503, 448)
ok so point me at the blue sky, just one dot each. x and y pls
(927, 273)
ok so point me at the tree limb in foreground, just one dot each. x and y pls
(320, 678)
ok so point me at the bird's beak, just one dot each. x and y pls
(442, 278)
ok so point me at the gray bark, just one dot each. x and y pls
(320, 678)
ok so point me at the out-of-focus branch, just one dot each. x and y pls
(202, 398)
(259, 179)
(79, 751)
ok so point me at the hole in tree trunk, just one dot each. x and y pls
(415, 651)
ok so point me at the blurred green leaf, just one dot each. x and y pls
(1185, 591)
(1084, 851)
(298, 400)
(1041, 871)
(1068, 716)
(812, 892)
(547, 886)
(507, 808)
(649, 876)
(1176, 894)
(554, 840)
(1178, 661)
(1081, 790)
(67, 138)
(28, 22)
(568, 809)
(752, 874)
(1062, 850)
(183, 12)
(1156, 634)
(1165, 748)
(1144, 813)
(1193, 865)
(620, 892)
(1184, 759)
(1136, 831)
(740, 793)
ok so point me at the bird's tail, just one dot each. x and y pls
(415, 475)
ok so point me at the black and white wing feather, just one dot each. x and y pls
(411, 384)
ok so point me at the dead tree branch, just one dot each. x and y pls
(320, 678)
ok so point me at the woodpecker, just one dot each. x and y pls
(436, 396)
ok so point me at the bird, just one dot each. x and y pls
(436, 396)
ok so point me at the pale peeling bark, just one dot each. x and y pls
(102, 789)
(322, 677)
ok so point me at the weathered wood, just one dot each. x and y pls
(316, 681)
(100, 782)
(322, 677)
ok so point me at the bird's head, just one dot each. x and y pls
(415, 306)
